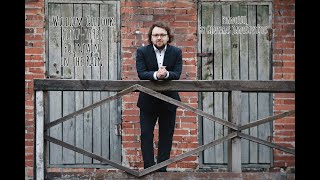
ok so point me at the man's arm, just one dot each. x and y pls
(142, 70)
(175, 74)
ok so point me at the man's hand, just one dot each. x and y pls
(162, 72)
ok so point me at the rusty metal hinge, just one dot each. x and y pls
(118, 129)
(117, 36)
(270, 34)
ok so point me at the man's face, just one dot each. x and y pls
(159, 37)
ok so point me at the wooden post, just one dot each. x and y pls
(234, 145)
(39, 158)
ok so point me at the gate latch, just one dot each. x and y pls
(118, 129)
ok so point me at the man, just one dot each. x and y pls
(158, 61)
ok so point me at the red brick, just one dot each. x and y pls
(131, 131)
(285, 133)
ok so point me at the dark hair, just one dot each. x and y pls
(161, 25)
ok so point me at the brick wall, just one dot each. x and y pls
(284, 69)
(137, 17)
(34, 68)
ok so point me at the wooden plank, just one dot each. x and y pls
(115, 115)
(78, 1)
(235, 68)
(87, 72)
(96, 112)
(253, 115)
(54, 69)
(265, 120)
(39, 156)
(92, 155)
(105, 108)
(207, 73)
(218, 106)
(234, 150)
(78, 72)
(201, 135)
(264, 99)
(68, 97)
(90, 107)
(234, 1)
(267, 143)
(235, 45)
(46, 150)
(174, 85)
(150, 169)
(190, 108)
(244, 75)
(189, 153)
(226, 75)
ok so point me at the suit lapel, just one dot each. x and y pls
(154, 61)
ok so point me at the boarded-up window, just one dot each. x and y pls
(237, 34)
(82, 42)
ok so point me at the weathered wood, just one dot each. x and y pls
(264, 73)
(234, 145)
(265, 120)
(53, 65)
(218, 99)
(78, 72)
(46, 155)
(199, 76)
(174, 85)
(235, 46)
(220, 2)
(68, 97)
(253, 115)
(182, 105)
(115, 119)
(78, 1)
(90, 107)
(91, 155)
(150, 92)
(207, 74)
(226, 75)
(96, 96)
(39, 156)
(244, 75)
(266, 143)
(88, 96)
(65, 59)
(183, 175)
(105, 108)
(189, 153)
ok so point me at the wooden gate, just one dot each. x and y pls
(235, 43)
(82, 42)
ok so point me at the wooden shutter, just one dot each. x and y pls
(82, 43)
(244, 56)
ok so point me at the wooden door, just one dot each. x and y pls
(238, 36)
(82, 43)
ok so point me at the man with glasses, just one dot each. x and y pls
(158, 61)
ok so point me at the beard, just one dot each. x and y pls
(160, 47)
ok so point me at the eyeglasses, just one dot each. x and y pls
(161, 35)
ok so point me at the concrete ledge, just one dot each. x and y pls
(172, 176)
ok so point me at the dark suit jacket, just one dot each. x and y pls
(146, 63)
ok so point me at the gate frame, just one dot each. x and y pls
(233, 87)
